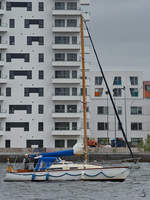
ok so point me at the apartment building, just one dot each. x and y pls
(40, 69)
(133, 108)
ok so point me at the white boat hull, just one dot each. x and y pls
(103, 174)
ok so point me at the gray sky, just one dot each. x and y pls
(121, 33)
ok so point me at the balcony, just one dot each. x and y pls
(3, 28)
(3, 80)
(65, 81)
(66, 115)
(66, 63)
(66, 29)
(3, 114)
(85, 2)
(66, 46)
(2, 11)
(2, 97)
(66, 98)
(66, 133)
(2, 63)
(3, 45)
(1, 131)
(66, 12)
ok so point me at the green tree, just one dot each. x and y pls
(147, 144)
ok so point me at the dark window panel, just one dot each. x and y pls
(11, 40)
(40, 126)
(25, 56)
(28, 108)
(39, 39)
(7, 144)
(10, 125)
(39, 143)
(41, 109)
(8, 92)
(41, 74)
(27, 5)
(14, 73)
(41, 6)
(11, 23)
(28, 22)
(41, 57)
(27, 91)
(59, 143)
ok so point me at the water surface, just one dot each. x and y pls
(136, 187)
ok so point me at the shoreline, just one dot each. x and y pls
(144, 157)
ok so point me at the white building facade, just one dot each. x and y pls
(134, 110)
(40, 63)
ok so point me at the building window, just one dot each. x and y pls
(72, 108)
(41, 109)
(71, 5)
(8, 92)
(59, 108)
(59, 143)
(103, 141)
(31, 39)
(117, 80)
(74, 40)
(39, 91)
(59, 23)
(11, 23)
(102, 110)
(102, 126)
(27, 108)
(71, 57)
(28, 22)
(59, 57)
(24, 125)
(7, 144)
(134, 92)
(136, 110)
(62, 126)
(117, 92)
(98, 80)
(11, 40)
(98, 92)
(134, 80)
(62, 40)
(71, 143)
(74, 91)
(74, 74)
(14, 73)
(119, 109)
(59, 5)
(62, 91)
(119, 126)
(41, 74)
(71, 23)
(81, 91)
(40, 126)
(136, 126)
(34, 143)
(147, 88)
(62, 74)
(136, 141)
(74, 126)
(41, 6)
(41, 57)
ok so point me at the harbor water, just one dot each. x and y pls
(136, 187)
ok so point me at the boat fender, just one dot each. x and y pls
(33, 177)
(47, 175)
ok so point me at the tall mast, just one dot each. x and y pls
(84, 95)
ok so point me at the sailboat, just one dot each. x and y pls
(51, 168)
